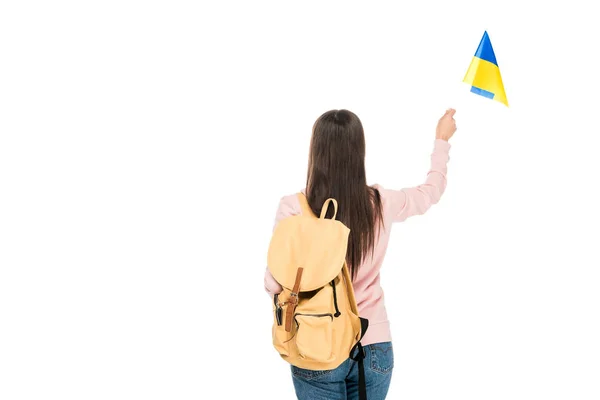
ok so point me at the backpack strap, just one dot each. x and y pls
(357, 353)
(359, 357)
(349, 288)
(306, 210)
(293, 301)
(326, 205)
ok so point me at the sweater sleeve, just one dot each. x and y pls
(288, 206)
(408, 202)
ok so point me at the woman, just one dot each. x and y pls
(336, 169)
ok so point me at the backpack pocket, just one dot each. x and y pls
(314, 337)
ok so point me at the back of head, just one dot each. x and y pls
(336, 168)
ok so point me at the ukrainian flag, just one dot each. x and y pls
(484, 75)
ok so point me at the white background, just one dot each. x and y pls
(145, 146)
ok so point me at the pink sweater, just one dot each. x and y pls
(398, 205)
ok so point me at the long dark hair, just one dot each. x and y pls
(336, 168)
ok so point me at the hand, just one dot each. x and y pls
(446, 125)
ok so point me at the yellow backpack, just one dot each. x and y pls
(316, 322)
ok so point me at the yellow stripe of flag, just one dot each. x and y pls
(486, 76)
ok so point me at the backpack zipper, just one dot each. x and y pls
(309, 315)
(315, 315)
(337, 310)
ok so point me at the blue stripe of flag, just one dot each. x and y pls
(485, 50)
(482, 92)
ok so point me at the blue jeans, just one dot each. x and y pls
(342, 383)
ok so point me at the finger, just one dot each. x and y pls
(451, 112)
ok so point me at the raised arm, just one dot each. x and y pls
(407, 202)
(288, 206)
